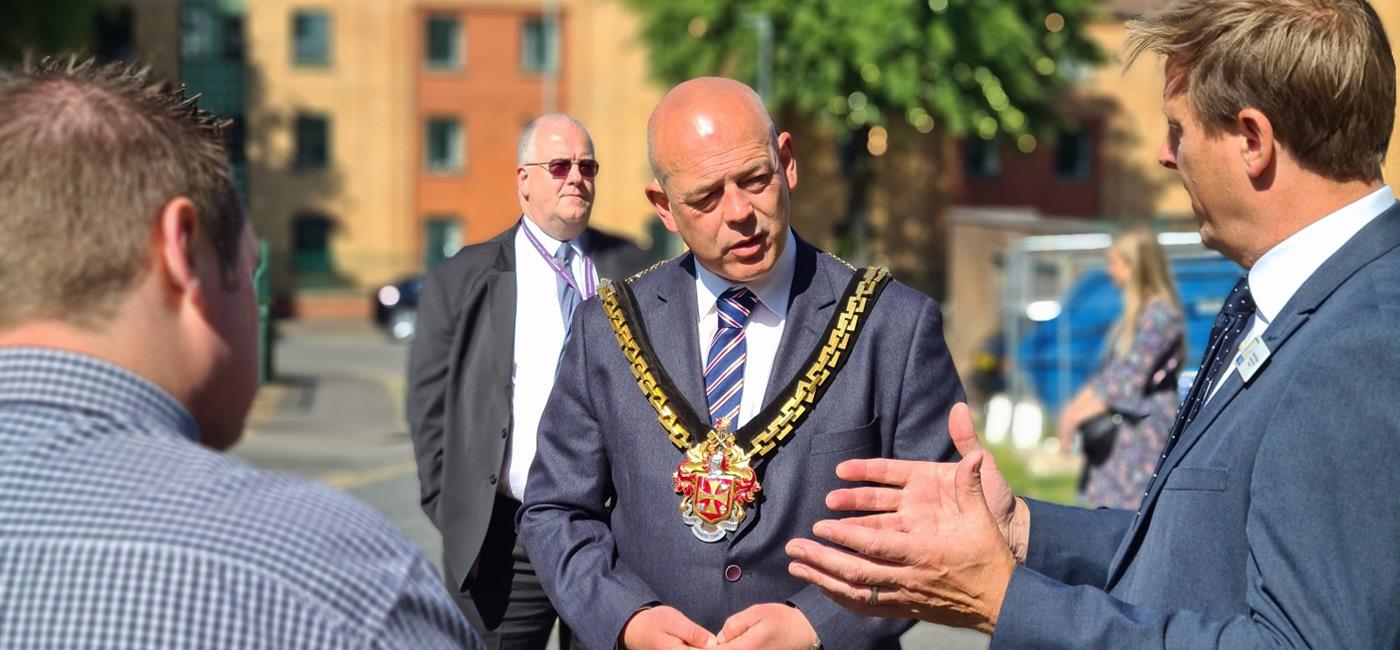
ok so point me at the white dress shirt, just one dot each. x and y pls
(762, 333)
(1284, 268)
(539, 338)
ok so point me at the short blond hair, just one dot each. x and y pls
(1321, 70)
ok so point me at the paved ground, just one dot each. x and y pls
(335, 415)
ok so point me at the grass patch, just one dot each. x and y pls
(1055, 488)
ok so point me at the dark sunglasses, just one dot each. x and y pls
(559, 167)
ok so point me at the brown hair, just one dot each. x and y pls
(1321, 70)
(89, 155)
(1149, 278)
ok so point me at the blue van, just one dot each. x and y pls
(1056, 362)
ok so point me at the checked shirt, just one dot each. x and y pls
(118, 530)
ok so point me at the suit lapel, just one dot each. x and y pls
(672, 318)
(501, 292)
(809, 309)
(1376, 239)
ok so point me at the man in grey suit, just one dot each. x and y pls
(492, 321)
(731, 328)
(1272, 519)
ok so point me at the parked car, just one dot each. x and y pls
(396, 307)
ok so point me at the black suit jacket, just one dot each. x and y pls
(459, 401)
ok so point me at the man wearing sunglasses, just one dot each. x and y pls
(492, 321)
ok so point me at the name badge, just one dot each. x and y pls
(1251, 357)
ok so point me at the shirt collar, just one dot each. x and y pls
(86, 384)
(774, 288)
(1284, 268)
(550, 244)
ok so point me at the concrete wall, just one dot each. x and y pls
(613, 96)
(1389, 11)
(366, 91)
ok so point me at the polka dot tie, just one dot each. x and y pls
(1230, 325)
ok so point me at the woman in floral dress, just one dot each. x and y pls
(1138, 375)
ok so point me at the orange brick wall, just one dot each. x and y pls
(493, 99)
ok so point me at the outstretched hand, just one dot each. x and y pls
(938, 542)
(909, 487)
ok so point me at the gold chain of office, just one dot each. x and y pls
(801, 398)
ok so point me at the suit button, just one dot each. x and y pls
(732, 573)
(493, 479)
(505, 431)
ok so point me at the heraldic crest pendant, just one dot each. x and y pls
(716, 480)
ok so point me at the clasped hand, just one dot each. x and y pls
(937, 544)
(767, 625)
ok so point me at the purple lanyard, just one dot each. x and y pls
(559, 270)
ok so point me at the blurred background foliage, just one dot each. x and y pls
(45, 26)
(983, 67)
(991, 69)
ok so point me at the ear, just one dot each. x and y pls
(522, 185)
(661, 203)
(178, 231)
(1257, 145)
(787, 159)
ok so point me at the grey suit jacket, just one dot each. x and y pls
(600, 440)
(459, 397)
(1275, 521)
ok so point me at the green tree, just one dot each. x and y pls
(959, 68)
(45, 26)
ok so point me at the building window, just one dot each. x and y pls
(981, 158)
(313, 135)
(442, 237)
(311, 249)
(443, 43)
(197, 32)
(232, 39)
(443, 146)
(1074, 154)
(539, 51)
(311, 37)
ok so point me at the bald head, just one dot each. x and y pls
(552, 123)
(723, 175)
(699, 110)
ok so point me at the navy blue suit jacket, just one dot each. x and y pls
(600, 440)
(1275, 520)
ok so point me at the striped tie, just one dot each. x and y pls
(724, 367)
